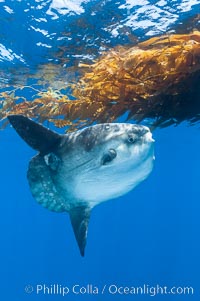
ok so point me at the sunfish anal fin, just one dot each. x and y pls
(80, 216)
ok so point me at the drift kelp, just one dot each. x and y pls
(155, 79)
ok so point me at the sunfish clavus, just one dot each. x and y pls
(77, 171)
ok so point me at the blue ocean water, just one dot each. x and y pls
(148, 238)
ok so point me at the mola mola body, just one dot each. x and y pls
(77, 171)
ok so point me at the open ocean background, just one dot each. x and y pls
(148, 237)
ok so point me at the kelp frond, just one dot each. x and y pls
(157, 79)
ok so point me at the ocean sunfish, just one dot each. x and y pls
(77, 171)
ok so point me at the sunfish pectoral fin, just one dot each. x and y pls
(34, 134)
(80, 216)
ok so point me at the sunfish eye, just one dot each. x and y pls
(108, 156)
(132, 139)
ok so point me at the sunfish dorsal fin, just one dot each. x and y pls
(34, 134)
(80, 219)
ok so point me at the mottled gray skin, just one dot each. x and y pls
(77, 171)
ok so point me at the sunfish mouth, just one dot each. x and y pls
(148, 137)
(77, 171)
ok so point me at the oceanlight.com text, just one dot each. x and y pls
(109, 289)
